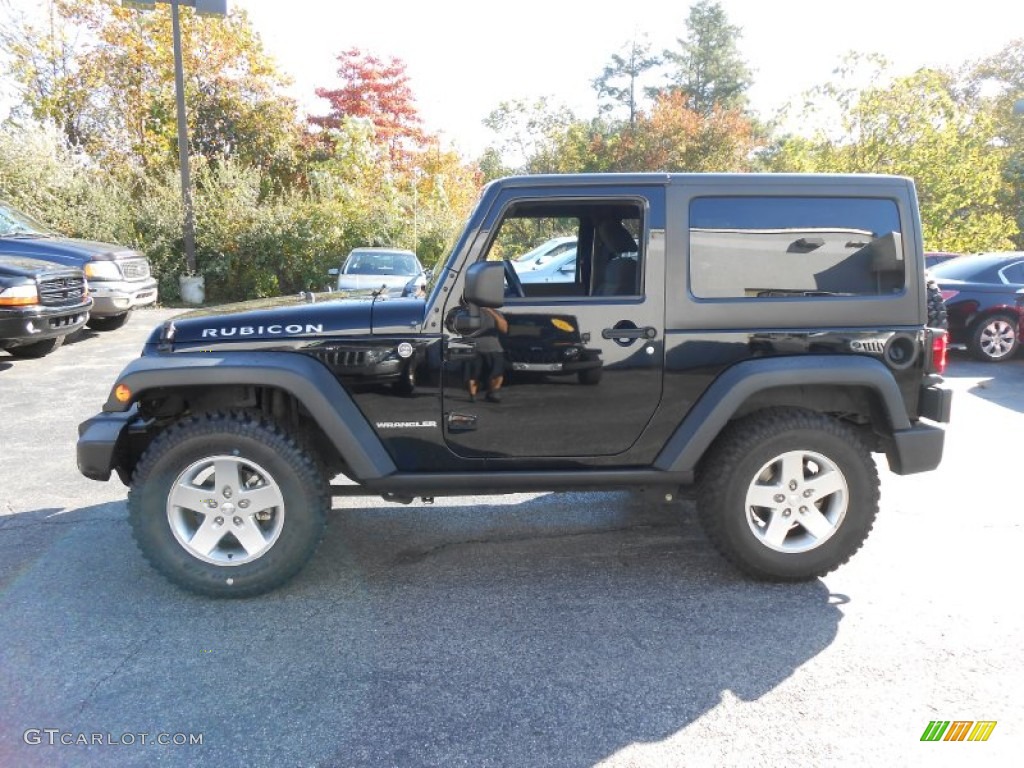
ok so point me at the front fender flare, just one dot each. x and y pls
(303, 377)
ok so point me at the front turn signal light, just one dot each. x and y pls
(122, 394)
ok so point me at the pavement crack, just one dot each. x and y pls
(131, 654)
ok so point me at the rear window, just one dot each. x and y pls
(792, 247)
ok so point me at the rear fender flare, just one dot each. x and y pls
(727, 395)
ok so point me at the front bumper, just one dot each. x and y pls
(98, 440)
(27, 325)
(117, 297)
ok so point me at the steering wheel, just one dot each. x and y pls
(513, 285)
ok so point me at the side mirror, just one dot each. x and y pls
(485, 284)
(332, 272)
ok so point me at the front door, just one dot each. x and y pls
(583, 351)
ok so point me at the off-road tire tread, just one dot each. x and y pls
(937, 314)
(731, 447)
(218, 424)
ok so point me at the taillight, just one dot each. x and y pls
(940, 347)
(948, 295)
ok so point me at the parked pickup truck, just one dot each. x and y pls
(119, 278)
(747, 340)
(40, 304)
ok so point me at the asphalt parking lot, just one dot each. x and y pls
(528, 630)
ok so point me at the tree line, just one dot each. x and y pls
(280, 196)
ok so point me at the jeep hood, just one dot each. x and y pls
(286, 319)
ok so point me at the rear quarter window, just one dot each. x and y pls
(748, 247)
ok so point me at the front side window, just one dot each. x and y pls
(572, 248)
(785, 247)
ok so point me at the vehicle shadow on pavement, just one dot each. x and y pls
(1002, 383)
(554, 630)
(4, 365)
(82, 334)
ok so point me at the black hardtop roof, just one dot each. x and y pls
(612, 179)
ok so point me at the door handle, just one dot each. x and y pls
(647, 332)
(461, 422)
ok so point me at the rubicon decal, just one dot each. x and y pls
(958, 730)
(405, 424)
(261, 330)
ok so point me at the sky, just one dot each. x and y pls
(464, 58)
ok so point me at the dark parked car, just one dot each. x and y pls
(119, 278)
(934, 258)
(40, 304)
(985, 302)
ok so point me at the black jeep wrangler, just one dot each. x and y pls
(751, 339)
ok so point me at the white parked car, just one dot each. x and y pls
(388, 270)
(559, 269)
(543, 254)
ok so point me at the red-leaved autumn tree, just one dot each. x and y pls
(376, 91)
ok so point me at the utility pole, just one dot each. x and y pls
(203, 8)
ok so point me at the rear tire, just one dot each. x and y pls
(787, 494)
(228, 504)
(37, 349)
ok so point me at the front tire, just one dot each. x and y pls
(994, 339)
(227, 504)
(787, 494)
(36, 349)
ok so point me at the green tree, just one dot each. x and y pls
(997, 83)
(104, 75)
(528, 131)
(618, 85)
(708, 67)
(914, 126)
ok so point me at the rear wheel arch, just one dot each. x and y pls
(858, 390)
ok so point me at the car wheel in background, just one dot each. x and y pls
(994, 339)
(38, 349)
(111, 323)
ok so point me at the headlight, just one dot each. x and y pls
(19, 296)
(102, 270)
